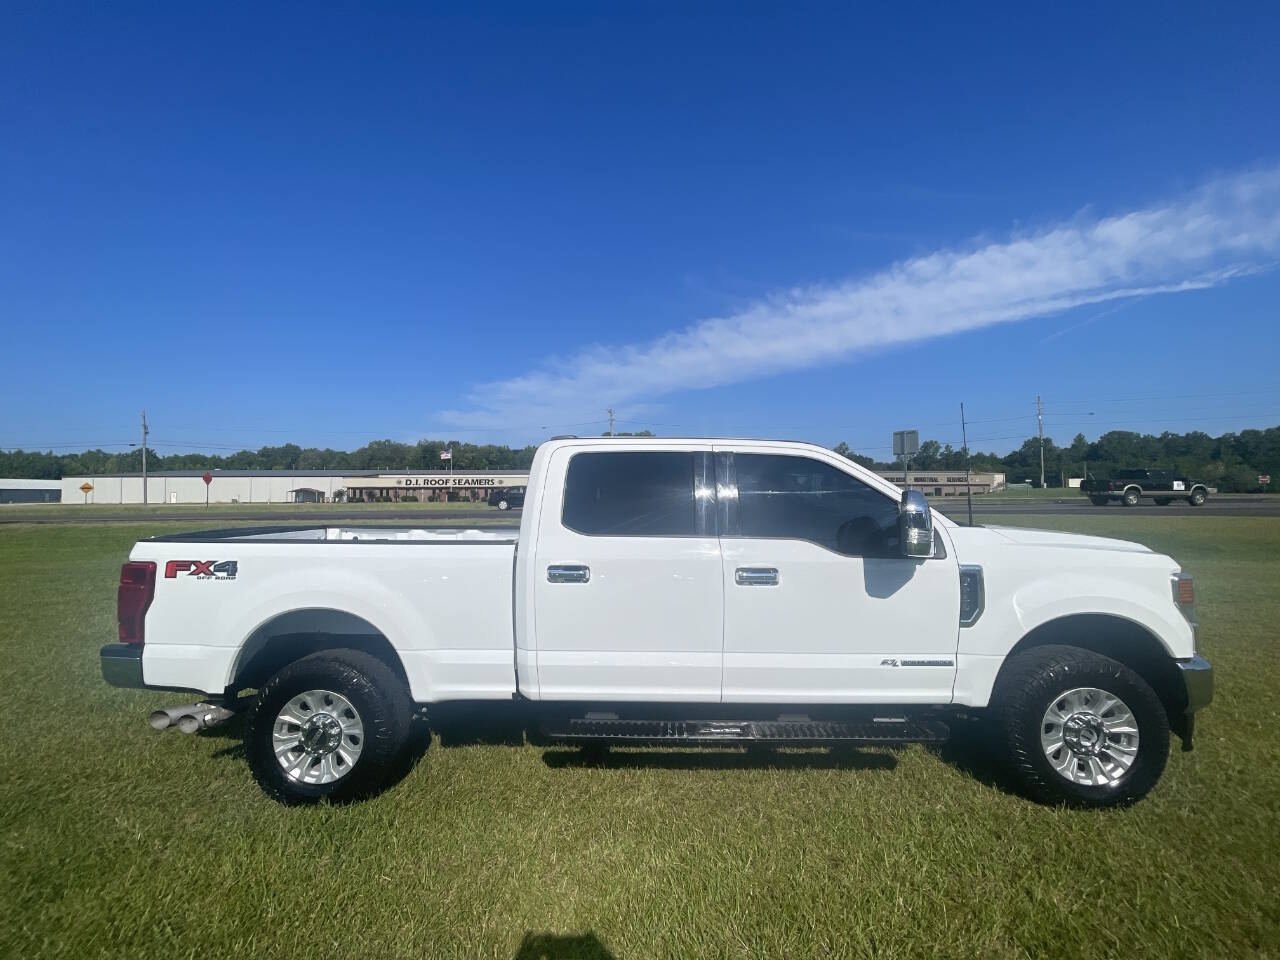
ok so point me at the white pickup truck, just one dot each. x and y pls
(682, 592)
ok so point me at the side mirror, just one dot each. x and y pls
(915, 525)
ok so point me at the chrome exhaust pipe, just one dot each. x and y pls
(189, 717)
(208, 715)
(169, 716)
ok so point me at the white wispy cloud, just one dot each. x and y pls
(1225, 229)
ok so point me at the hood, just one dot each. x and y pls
(1078, 541)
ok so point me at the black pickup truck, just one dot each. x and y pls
(507, 498)
(1130, 486)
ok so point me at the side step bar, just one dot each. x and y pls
(799, 732)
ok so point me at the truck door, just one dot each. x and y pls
(628, 600)
(820, 606)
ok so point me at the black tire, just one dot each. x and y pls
(1099, 501)
(1198, 497)
(1031, 681)
(378, 695)
(1131, 497)
(1163, 501)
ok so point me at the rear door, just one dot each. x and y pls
(628, 599)
(820, 605)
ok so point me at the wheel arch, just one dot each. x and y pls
(293, 634)
(1119, 638)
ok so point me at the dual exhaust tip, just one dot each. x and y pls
(191, 717)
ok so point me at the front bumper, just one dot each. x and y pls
(121, 664)
(1197, 680)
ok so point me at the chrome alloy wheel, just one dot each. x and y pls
(318, 736)
(1090, 737)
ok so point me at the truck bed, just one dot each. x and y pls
(441, 597)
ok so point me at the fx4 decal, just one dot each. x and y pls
(202, 569)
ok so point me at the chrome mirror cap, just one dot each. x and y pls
(915, 525)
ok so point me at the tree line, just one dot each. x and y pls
(1231, 462)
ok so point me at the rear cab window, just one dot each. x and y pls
(641, 493)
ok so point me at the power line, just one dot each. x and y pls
(1171, 396)
(1241, 416)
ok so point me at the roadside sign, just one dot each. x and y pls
(86, 487)
(207, 478)
(906, 443)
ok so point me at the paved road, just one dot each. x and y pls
(1261, 507)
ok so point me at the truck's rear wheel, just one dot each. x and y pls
(1130, 498)
(328, 726)
(504, 504)
(1080, 728)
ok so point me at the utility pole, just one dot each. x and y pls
(145, 431)
(1040, 421)
(611, 421)
(964, 438)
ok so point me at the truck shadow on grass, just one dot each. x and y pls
(559, 946)
(463, 725)
(971, 751)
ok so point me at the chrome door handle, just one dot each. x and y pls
(568, 573)
(756, 576)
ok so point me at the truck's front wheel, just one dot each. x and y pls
(1080, 728)
(329, 726)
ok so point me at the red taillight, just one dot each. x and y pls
(1111, 484)
(133, 597)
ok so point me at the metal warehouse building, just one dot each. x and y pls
(285, 486)
(436, 485)
(945, 483)
(187, 486)
(29, 491)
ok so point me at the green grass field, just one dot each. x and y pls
(119, 841)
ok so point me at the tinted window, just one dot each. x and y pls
(630, 494)
(802, 499)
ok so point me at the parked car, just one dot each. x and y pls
(675, 592)
(506, 499)
(1130, 486)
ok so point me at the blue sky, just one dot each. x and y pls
(332, 224)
